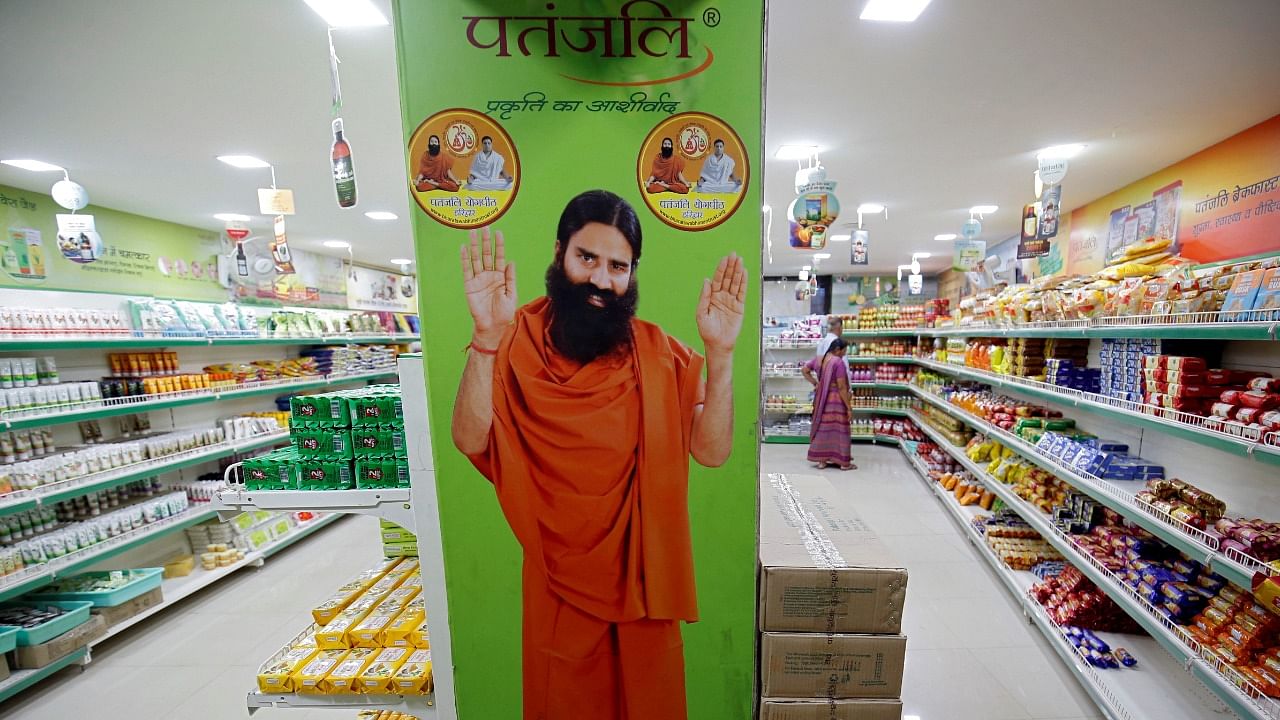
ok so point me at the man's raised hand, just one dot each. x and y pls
(490, 283)
(720, 307)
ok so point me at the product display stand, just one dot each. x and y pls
(416, 510)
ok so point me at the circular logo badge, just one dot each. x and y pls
(693, 171)
(464, 171)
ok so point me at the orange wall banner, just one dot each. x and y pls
(1221, 203)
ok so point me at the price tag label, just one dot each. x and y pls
(275, 201)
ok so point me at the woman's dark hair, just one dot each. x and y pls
(600, 206)
(837, 345)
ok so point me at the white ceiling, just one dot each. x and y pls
(933, 117)
(136, 97)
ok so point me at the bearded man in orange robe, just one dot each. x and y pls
(435, 169)
(584, 418)
(666, 173)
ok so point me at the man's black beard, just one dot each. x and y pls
(666, 152)
(433, 149)
(581, 331)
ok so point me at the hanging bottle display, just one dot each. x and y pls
(344, 173)
(242, 262)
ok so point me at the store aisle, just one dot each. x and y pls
(971, 654)
(197, 660)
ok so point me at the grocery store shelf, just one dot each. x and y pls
(885, 332)
(807, 344)
(423, 706)
(892, 359)
(178, 589)
(1149, 690)
(899, 412)
(22, 679)
(1195, 543)
(881, 386)
(115, 342)
(13, 585)
(1235, 691)
(85, 484)
(143, 403)
(390, 504)
(781, 439)
(1190, 326)
(1182, 425)
(788, 408)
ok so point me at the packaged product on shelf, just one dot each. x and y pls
(273, 471)
(375, 441)
(345, 595)
(308, 678)
(414, 676)
(276, 675)
(330, 409)
(398, 632)
(375, 473)
(344, 677)
(376, 677)
(317, 474)
(322, 443)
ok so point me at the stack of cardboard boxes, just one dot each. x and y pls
(831, 603)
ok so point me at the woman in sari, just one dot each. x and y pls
(829, 441)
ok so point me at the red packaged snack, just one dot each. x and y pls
(1190, 390)
(1244, 377)
(1260, 400)
(1184, 364)
(1265, 384)
(1270, 419)
(1249, 415)
(1231, 397)
(1224, 410)
(1217, 377)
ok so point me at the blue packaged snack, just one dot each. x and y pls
(1110, 660)
(1150, 594)
(1113, 447)
(1183, 594)
(1187, 567)
(1211, 582)
(1095, 642)
(1124, 657)
(1095, 658)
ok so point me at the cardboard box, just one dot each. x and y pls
(823, 570)
(129, 608)
(820, 709)
(817, 665)
(4, 669)
(37, 656)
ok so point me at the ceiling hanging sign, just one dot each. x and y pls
(275, 201)
(1052, 170)
(70, 194)
(971, 229)
(915, 284)
(1029, 245)
(812, 213)
(78, 239)
(859, 243)
(1050, 208)
(968, 254)
(237, 230)
(280, 248)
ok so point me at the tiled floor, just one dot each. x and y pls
(971, 655)
(197, 660)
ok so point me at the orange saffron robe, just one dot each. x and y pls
(435, 168)
(668, 171)
(591, 468)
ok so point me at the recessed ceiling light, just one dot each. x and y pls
(340, 244)
(381, 215)
(807, 267)
(244, 161)
(796, 152)
(401, 261)
(921, 255)
(983, 209)
(1060, 152)
(840, 238)
(870, 208)
(347, 13)
(945, 236)
(231, 217)
(821, 256)
(32, 165)
(893, 10)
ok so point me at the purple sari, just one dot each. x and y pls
(829, 435)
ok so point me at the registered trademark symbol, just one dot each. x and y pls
(711, 17)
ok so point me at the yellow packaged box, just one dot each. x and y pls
(397, 633)
(276, 675)
(343, 678)
(368, 632)
(308, 638)
(418, 637)
(399, 597)
(350, 591)
(334, 635)
(414, 677)
(308, 678)
(376, 678)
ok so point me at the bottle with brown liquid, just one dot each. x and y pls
(344, 173)
(1029, 222)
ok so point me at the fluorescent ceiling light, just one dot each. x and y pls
(1060, 152)
(840, 238)
(244, 161)
(381, 215)
(807, 267)
(893, 10)
(945, 236)
(870, 208)
(822, 256)
(32, 165)
(348, 13)
(983, 209)
(231, 217)
(401, 261)
(796, 152)
(921, 255)
(341, 244)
